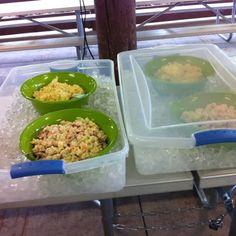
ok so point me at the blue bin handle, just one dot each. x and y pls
(215, 136)
(41, 167)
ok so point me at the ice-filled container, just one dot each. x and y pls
(179, 106)
(97, 175)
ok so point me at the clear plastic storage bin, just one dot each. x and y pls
(103, 174)
(179, 106)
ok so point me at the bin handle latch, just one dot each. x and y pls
(41, 167)
(215, 136)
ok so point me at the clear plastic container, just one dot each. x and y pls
(103, 174)
(168, 115)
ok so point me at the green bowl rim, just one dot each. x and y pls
(64, 101)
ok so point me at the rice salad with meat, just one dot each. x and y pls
(70, 141)
(212, 111)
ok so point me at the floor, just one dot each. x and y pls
(84, 219)
(166, 214)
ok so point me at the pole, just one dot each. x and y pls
(116, 28)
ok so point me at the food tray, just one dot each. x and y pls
(105, 175)
(155, 97)
(162, 142)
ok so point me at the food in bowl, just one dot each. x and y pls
(57, 91)
(212, 111)
(179, 73)
(70, 141)
(64, 130)
(30, 87)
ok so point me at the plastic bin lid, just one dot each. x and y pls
(170, 92)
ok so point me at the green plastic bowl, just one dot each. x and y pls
(200, 100)
(191, 103)
(32, 130)
(31, 85)
(168, 87)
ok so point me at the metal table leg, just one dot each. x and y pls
(208, 197)
(107, 216)
(232, 230)
(80, 28)
(227, 197)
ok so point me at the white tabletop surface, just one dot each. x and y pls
(137, 184)
(217, 178)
